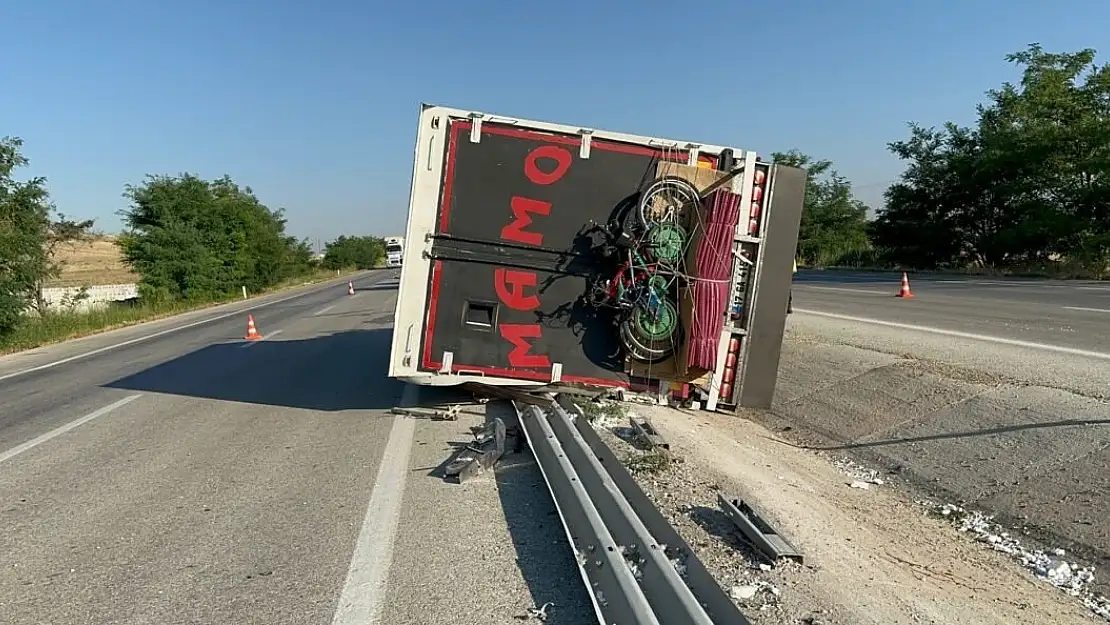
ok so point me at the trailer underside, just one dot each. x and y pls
(512, 259)
(539, 261)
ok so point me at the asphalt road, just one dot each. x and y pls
(175, 473)
(1069, 314)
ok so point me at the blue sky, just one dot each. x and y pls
(313, 104)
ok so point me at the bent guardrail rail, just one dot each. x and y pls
(636, 568)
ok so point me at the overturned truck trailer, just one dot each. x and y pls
(549, 255)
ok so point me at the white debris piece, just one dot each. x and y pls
(679, 567)
(1067, 576)
(858, 472)
(860, 485)
(541, 612)
(633, 560)
(743, 593)
(609, 420)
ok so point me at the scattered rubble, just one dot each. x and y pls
(603, 413)
(1049, 566)
(874, 558)
(859, 473)
(689, 504)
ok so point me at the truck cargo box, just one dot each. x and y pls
(545, 254)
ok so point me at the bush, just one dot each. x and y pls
(357, 252)
(194, 240)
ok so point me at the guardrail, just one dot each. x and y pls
(636, 568)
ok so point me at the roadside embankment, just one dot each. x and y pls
(76, 322)
(1012, 430)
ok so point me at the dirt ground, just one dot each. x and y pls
(872, 555)
(92, 263)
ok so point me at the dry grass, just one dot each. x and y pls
(63, 326)
(92, 263)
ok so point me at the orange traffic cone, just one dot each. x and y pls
(350, 288)
(252, 332)
(905, 291)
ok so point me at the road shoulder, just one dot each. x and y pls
(42, 357)
(872, 555)
(1000, 429)
(485, 551)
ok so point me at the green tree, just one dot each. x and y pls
(29, 238)
(923, 223)
(194, 239)
(363, 252)
(834, 223)
(1028, 184)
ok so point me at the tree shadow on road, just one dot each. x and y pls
(387, 285)
(1006, 429)
(334, 372)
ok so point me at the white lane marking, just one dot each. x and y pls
(846, 290)
(963, 335)
(1034, 285)
(323, 310)
(154, 335)
(364, 592)
(1085, 309)
(1093, 288)
(264, 337)
(35, 442)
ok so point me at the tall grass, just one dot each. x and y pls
(57, 326)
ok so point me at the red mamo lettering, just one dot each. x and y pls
(521, 219)
(518, 334)
(532, 169)
(510, 285)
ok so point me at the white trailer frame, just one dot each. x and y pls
(424, 200)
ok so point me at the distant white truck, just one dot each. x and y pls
(394, 251)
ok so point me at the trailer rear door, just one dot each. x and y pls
(511, 256)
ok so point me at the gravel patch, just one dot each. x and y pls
(871, 555)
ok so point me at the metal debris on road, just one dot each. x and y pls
(539, 613)
(758, 531)
(450, 414)
(646, 433)
(483, 453)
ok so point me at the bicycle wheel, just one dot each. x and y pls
(668, 200)
(651, 335)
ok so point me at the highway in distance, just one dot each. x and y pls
(1069, 314)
